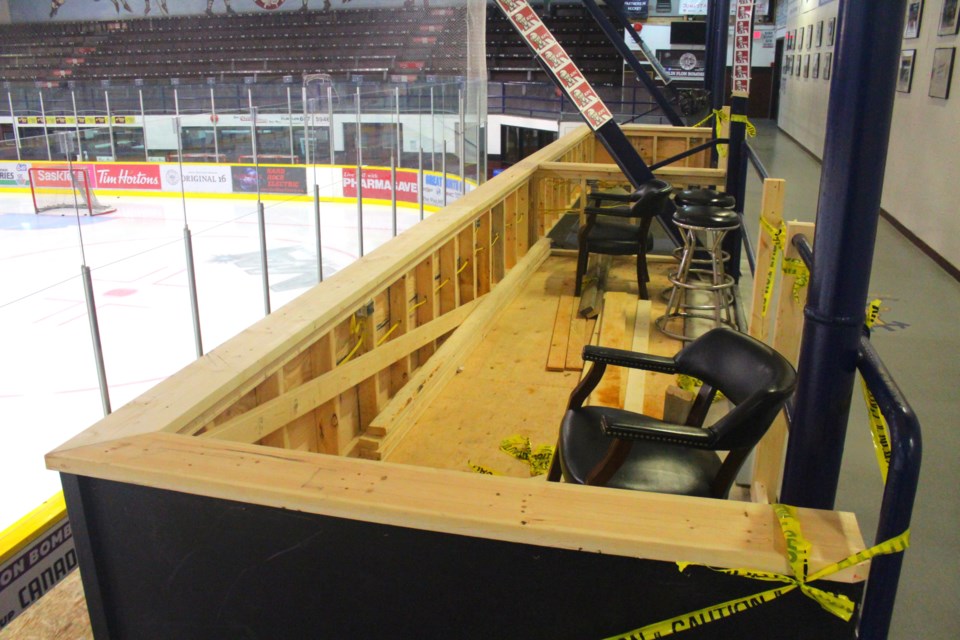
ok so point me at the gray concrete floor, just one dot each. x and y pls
(919, 347)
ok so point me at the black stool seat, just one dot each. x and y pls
(706, 217)
(704, 197)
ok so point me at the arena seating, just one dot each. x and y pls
(409, 44)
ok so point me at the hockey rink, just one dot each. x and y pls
(48, 380)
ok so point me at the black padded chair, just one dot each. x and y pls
(617, 235)
(617, 448)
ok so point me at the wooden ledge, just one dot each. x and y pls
(718, 533)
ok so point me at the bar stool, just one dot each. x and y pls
(689, 280)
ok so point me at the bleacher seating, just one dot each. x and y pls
(385, 43)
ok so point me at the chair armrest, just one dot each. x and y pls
(641, 427)
(614, 197)
(622, 212)
(629, 359)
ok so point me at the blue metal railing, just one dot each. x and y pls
(903, 475)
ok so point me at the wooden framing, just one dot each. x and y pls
(346, 368)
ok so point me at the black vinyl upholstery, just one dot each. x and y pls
(610, 230)
(618, 448)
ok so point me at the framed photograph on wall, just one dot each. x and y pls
(797, 64)
(820, 33)
(800, 39)
(942, 72)
(806, 65)
(905, 70)
(914, 15)
(810, 36)
(827, 65)
(948, 18)
(816, 65)
(831, 31)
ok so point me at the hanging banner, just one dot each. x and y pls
(693, 7)
(742, 41)
(541, 41)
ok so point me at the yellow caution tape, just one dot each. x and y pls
(879, 430)
(796, 268)
(691, 384)
(798, 550)
(751, 129)
(519, 447)
(721, 117)
(776, 237)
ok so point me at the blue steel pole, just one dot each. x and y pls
(719, 26)
(854, 159)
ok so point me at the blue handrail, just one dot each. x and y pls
(903, 476)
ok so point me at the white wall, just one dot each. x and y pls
(803, 101)
(923, 163)
(923, 176)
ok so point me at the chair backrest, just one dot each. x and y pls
(654, 195)
(753, 376)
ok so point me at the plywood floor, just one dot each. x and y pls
(504, 388)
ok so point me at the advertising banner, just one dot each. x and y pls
(376, 184)
(742, 41)
(539, 38)
(292, 180)
(144, 177)
(14, 174)
(32, 572)
(197, 178)
(684, 64)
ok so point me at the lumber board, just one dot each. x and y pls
(578, 337)
(677, 404)
(635, 388)
(271, 415)
(718, 533)
(771, 211)
(557, 358)
(591, 296)
(618, 309)
(402, 411)
(768, 459)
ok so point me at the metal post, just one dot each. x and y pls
(253, 145)
(393, 194)
(359, 177)
(95, 337)
(461, 105)
(176, 102)
(13, 121)
(264, 267)
(479, 132)
(420, 195)
(290, 123)
(719, 26)
(433, 129)
(399, 140)
(214, 118)
(143, 123)
(46, 135)
(858, 129)
(76, 120)
(333, 151)
(113, 142)
(188, 249)
(443, 159)
(316, 213)
(306, 126)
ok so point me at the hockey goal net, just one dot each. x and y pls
(64, 188)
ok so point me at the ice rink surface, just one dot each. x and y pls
(48, 379)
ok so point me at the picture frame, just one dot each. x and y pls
(815, 72)
(809, 36)
(800, 39)
(949, 23)
(911, 28)
(941, 72)
(806, 65)
(797, 64)
(828, 65)
(905, 70)
(820, 34)
(832, 31)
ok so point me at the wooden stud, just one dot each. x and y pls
(497, 244)
(467, 264)
(510, 236)
(771, 210)
(634, 389)
(399, 317)
(482, 252)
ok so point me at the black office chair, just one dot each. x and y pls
(618, 236)
(618, 448)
